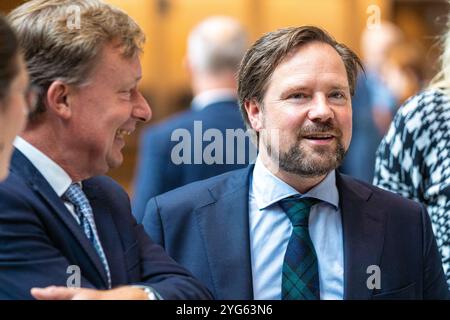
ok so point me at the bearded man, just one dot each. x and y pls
(291, 226)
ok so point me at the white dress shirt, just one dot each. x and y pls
(58, 179)
(270, 230)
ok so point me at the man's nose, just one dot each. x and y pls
(141, 108)
(320, 109)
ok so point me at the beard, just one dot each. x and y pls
(310, 161)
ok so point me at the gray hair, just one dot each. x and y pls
(56, 50)
(217, 44)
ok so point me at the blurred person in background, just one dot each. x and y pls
(413, 159)
(404, 70)
(374, 103)
(214, 50)
(16, 97)
(375, 44)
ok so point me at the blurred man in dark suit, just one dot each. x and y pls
(215, 49)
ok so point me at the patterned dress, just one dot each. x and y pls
(413, 160)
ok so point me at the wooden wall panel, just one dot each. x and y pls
(167, 24)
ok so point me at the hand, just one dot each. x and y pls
(63, 293)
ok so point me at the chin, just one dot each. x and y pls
(115, 162)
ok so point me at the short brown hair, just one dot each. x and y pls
(55, 50)
(9, 53)
(266, 54)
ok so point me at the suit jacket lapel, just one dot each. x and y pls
(22, 166)
(107, 232)
(363, 236)
(224, 225)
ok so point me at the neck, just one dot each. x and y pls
(206, 82)
(55, 150)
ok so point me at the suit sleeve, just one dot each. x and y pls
(435, 286)
(152, 222)
(163, 274)
(28, 257)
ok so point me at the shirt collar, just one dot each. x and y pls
(267, 189)
(58, 179)
(206, 98)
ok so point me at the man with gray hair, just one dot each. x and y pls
(214, 50)
(66, 231)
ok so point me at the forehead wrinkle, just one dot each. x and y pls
(299, 81)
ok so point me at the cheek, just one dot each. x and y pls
(345, 124)
(285, 118)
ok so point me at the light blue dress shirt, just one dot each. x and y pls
(270, 230)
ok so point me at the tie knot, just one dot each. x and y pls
(76, 196)
(297, 209)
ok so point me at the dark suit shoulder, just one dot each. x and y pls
(203, 192)
(109, 192)
(105, 183)
(14, 183)
(17, 204)
(391, 202)
(16, 188)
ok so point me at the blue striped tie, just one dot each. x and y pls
(300, 280)
(84, 212)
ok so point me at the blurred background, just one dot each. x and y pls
(167, 24)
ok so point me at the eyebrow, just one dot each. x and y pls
(340, 87)
(306, 88)
(137, 79)
(133, 82)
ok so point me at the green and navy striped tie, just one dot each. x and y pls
(300, 280)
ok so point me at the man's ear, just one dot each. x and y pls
(57, 99)
(255, 114)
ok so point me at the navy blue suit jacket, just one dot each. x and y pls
(156, 173)
(40, 239)
(205, 227)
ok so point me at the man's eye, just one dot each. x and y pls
(337, 95)
(297, 96)
(126, 94)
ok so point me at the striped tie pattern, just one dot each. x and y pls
(83, 210)
(300, 279)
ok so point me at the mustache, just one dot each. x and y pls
(320, 127)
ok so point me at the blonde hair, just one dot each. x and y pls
(56, 47)
(442, 78)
